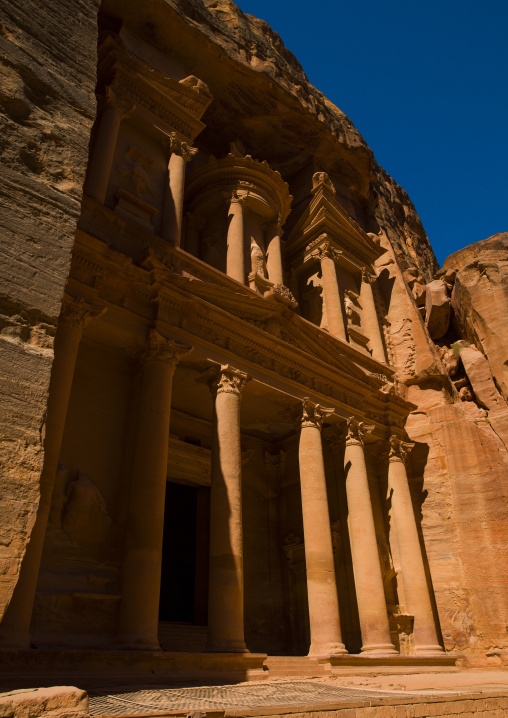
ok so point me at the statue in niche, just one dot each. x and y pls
(85, 516)
(257, 258)
(134, 168)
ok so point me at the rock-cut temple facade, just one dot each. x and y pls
(247, 414)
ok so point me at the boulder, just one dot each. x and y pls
(53, 702)
(438, 308)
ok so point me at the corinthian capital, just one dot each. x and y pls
(179, 147)
(114, 98)
(76, 313)
(324, 249)
(314, 414)
(399, 449)
(368, 275)
(228, 381)
(356, 432)
(160, 349)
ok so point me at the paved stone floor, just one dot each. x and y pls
(228, 697)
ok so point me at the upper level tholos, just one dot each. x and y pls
(229, 213)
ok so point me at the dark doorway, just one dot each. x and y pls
(184, 576)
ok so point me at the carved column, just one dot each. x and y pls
(141, 576)
(181, 153)
(274, 254)
(416, 590)
(370, 317)
(235, 264)
(104, 146)
(325, 632)
(370, 593)
(225, 600)
(75, 315)
(333, 303)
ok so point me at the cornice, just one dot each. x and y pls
(195, 321)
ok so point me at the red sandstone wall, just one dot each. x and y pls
(47, 107)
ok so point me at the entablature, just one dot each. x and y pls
(163, 104)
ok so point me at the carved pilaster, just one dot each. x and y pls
(399, 450)
(314, 414)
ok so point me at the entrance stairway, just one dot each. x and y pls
(182, 637)
(295, 666)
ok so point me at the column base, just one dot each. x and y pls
(136, 643)
(327, 649)
(431, 650)
(227, 647)
(379, 649)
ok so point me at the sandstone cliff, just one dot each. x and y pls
(47, 107)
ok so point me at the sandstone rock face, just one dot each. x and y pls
(480, 300)
(47, 107)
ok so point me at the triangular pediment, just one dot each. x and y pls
(324, 215)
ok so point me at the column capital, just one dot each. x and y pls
(228, 380)
(399, 450)
(324, 249)
(160, 349)
(235, 198)
(314, 414)
(181, 148)
(76, 313)
(113, 98)
(368, 276)
(356, 431)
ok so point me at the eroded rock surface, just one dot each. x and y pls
(480, 300)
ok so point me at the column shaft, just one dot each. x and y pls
(416, 589)
(173, 201)
(333, 302)
(371, 320)
(325, 631)
(15, 628)
(141, 576)
(370, 593)
(103, 153)
(225, 600)
(235, 264)
(274, 255)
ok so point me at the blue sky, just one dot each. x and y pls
(426, 85)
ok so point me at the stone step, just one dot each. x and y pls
(182, 637)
